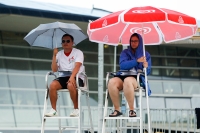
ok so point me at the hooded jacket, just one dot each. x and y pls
(128, 60)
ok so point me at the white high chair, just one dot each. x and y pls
(81, 91)
(140, 118)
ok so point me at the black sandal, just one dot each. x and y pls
(132, 113)
(118, 114)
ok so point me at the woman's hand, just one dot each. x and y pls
(145, 64)
(55, 51)
(141, 59)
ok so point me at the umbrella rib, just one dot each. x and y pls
(62, 30)
(39, 35)
(52, 37)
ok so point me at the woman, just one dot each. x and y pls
(131, 59)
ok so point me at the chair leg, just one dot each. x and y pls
(105, 111)
(118, 126)
(89, 111)
(44, 110)
(148, 112)
(79, 107)
(59, 120)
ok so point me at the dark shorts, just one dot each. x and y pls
(123, 77)
(63, 82)
(135, 76)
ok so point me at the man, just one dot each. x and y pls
(69, 60)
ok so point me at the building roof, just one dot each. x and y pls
(49, 10)
(17, 13)
(35, 13)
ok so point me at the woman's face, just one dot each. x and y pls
(134, 42)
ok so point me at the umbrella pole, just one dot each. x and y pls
(115, 56)
(100, 85)
(146, 86)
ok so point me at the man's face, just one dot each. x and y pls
(67, 42)
(134, 42)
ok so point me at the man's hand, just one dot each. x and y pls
(72, 81)
(55, 51)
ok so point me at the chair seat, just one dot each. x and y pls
(80, 88)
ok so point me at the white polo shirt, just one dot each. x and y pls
(67, 63)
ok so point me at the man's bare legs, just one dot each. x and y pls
(54, 87)
(129, 86)
(114, 86)
(73, 94)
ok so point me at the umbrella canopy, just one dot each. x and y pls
(49, 35)
(157, 24)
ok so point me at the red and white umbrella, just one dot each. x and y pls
(157, 24)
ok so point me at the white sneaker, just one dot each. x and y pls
(75, 113)
(51, 113)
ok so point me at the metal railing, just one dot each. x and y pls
(162, 120)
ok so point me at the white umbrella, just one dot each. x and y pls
(49, 35)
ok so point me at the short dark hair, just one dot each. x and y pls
(69, 36)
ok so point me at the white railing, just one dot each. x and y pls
(162, 120)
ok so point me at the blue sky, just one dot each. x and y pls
(189, 7)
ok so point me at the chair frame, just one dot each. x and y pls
(81, 90)
(140, 89)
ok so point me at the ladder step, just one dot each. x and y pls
(132, 118)
(76, 127)
(69, 128)
(60, 117)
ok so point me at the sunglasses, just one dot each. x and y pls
(65, 41)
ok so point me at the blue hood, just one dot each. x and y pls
(128, 59)
(139, 49)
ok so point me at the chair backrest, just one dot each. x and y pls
(85, 81)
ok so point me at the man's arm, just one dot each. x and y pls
(78, 62)
(54, 66)
(74, 72)
(76, 69)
